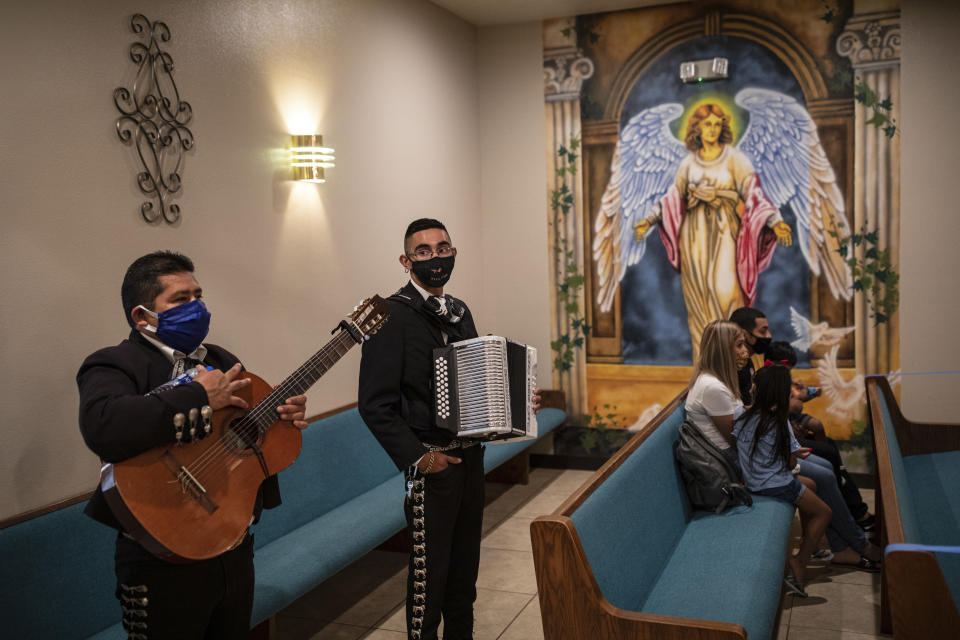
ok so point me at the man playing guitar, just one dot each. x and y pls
(161, 298)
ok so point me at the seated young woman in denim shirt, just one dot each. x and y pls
(767, 451)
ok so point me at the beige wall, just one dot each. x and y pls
(930, 259)
(513, 201)
(392, 84)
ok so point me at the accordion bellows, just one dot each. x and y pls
(483, 388)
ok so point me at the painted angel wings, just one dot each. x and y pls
(644, 164)
(781, 142)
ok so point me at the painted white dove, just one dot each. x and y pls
(648, 414)
(846, 395)
(809, 334)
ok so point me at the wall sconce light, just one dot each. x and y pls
(309, 158)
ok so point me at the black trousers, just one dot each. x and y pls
(444, 517)
(206, 600)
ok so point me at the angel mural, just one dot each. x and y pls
(717, 205)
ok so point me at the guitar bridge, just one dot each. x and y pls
(190, 485)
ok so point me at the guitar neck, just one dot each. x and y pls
(264, 413)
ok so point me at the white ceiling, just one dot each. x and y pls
(490, 12)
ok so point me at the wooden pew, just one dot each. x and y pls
(916, 600)
(628, 536)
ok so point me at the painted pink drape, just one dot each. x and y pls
(755, 240)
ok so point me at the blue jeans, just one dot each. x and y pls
(843, 530)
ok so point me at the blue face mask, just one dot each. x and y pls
(182, 327)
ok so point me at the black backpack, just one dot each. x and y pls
(713, 482)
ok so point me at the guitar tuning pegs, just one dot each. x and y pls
(206, 413)
(178, 421)
(194, 414)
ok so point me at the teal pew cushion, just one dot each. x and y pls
(728, 567)
(58, 579)
(630, 524)
(933, 481)
(339, 461)
(934, 485)
(497, 454)
(907, 511)
(292, 565)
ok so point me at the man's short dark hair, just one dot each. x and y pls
(141, 284)
(746, 317)
(421, 224)
(780, 350)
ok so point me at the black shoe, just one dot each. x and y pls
(868, 524)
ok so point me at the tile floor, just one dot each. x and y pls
(365, 600)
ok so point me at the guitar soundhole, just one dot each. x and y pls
(241, 436)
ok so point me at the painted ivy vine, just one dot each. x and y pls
(571, 279)
(603, 429)
(881, 119)
(873, 274)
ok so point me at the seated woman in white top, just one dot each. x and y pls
(714, 397)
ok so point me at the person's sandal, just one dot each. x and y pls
(864, 564)
(793, 586)
(868, 565)
(822, 555)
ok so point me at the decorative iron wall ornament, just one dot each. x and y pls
(154, 120)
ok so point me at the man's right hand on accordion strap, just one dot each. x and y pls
(434, 461)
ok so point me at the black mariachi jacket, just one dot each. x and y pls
(118, 422)
(396, 397)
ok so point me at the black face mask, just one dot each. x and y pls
(424, 270)
(762, 344)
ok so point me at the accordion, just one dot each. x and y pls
(483, 388)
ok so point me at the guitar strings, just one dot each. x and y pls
(247, 425)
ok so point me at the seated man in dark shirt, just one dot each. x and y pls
(756, 331)
(161, 300)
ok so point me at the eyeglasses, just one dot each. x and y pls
(425, 254)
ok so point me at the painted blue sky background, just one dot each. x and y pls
(654, 316)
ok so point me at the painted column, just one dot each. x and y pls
(564, 70)
(872, 43)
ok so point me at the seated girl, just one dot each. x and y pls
(810, 434)
(768, 451)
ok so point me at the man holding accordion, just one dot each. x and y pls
(444, 474)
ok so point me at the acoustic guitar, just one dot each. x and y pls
(192, 501)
